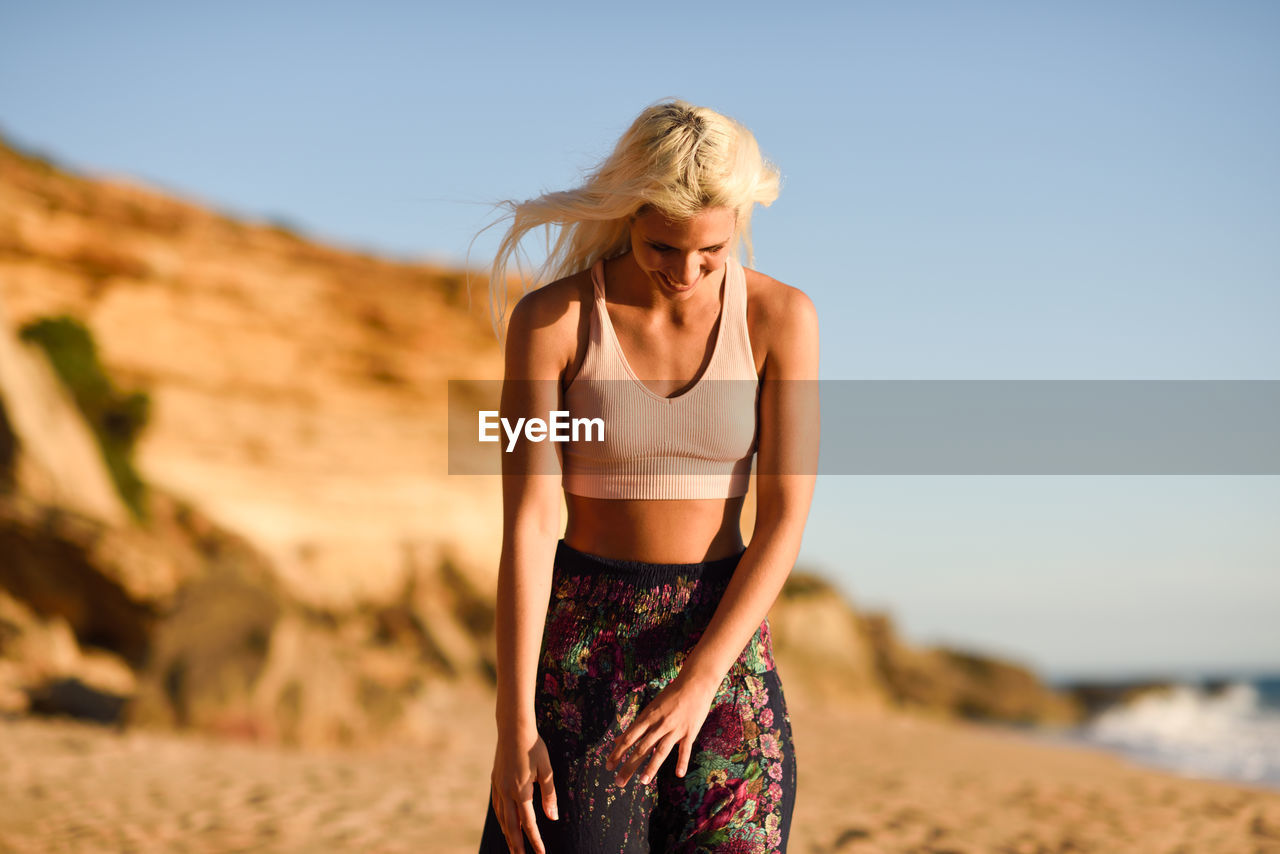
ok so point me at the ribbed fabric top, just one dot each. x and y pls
(697, 444)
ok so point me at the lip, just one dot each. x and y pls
(671, 285)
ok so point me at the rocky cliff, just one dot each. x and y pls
(302, 568)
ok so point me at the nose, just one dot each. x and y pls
(690, 269)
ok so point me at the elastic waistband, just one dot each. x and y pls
(570, 560)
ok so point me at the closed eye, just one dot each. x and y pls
(662, 247)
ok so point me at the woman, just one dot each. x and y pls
(638, 707)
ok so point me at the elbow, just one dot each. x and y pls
(538, 519)
(546, 525)
(781, 525)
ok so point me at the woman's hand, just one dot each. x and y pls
(521, 759)
(674, 717)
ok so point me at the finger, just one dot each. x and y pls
(623, 743)
(638, 756)
(510, 832)
(497, 809)
(682, 762)
(515, 842)
(530, 821)
(660, 754)
(546, 783)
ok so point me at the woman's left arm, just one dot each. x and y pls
(786, 469)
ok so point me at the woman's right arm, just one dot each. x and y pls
(531, 485)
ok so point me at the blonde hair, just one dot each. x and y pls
(676, 158)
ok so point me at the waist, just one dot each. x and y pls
(572, 561)
(682, 531)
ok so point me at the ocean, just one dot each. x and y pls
(1212, 728)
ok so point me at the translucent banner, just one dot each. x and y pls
(879, 427)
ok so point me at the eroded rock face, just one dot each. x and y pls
(307, 568)
(953, 682)
(78, 589)
(40, 652)
(216, 643)
(830, 652)
(822, 646)
(298, 391)
(238, 656)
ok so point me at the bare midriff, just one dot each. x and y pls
(655, 531)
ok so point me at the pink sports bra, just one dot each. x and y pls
(697, 444)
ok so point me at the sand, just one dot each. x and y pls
(868, 783)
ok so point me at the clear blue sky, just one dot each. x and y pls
(1001, 190)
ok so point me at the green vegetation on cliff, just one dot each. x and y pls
(117, 418)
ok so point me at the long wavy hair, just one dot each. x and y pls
(675, 158)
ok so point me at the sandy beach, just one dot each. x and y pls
(868, 783)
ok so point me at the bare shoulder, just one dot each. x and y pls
(545, 326)
(777, 300)
(552, 304)
(780, 317)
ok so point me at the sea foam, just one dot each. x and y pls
(1228, 733)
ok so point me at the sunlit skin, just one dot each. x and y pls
(664, 300)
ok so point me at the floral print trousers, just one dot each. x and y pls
(616, 633)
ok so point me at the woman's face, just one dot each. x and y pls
(677, 255)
